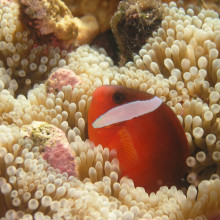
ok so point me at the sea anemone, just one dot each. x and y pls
(180, 64)
(24, 61)
(184, 59)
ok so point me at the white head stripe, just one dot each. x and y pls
(127, 112)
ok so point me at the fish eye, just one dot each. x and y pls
(118, 97)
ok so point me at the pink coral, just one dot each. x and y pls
(215, 217)
(61, 77)
(60, 156)
(53, 144)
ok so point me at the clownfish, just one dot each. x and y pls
(150, 142)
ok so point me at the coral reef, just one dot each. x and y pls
(179, 64)
(74, 24)
(88, 29)
(50, 18)
(133, 23)
(102, 10)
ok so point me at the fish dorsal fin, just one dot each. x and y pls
(127, 112)
(127, 151)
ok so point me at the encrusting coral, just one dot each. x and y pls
(180, 64)
(51, 18)
(133, 22)
(53, 146)
(74, 23)
(101, 10)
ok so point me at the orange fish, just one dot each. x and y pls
(150, 142)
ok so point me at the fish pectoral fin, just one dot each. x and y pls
(127, 151)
